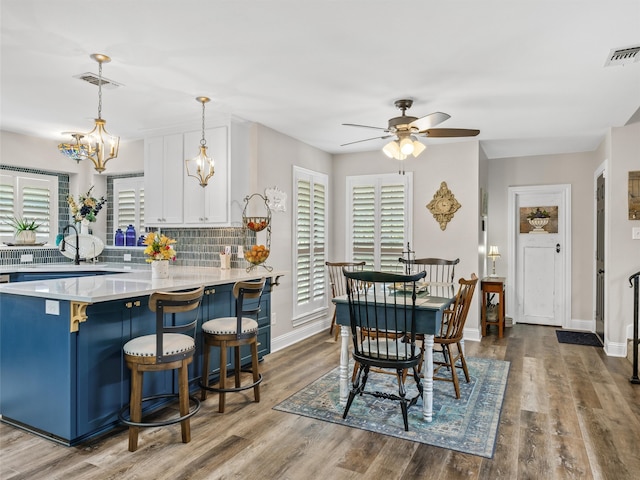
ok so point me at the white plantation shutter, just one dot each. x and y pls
(378, 213)
(310, 294)
(30, 196)
(128, 195)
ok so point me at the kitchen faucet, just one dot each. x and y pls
(76, 260)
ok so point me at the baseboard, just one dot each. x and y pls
(615, 349)
(582, 325)
(304, 331)
(472, 334)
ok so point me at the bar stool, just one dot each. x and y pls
(169, 348)
(234, 332)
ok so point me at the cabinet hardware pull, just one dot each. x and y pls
(128, 304)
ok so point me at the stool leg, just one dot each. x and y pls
(254, 367)
(236, 351)
(135, 406)
(223, 375)
(205, 371)
(183, 390)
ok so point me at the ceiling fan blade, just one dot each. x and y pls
(429, 121)
(450, 132)
(367, 139)
(363, 126)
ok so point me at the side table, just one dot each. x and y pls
(493, 285)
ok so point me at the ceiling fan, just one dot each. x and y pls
(406, 129)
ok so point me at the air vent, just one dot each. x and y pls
(93, 79)
(621, 56)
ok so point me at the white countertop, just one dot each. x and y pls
(127, 281)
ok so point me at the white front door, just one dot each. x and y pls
(540, 293)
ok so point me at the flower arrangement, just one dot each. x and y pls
(159, 247)
(538, 214)
(87, 207)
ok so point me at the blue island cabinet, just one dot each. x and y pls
(67, 385)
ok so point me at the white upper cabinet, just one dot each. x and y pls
(208, 205)
(163, 172)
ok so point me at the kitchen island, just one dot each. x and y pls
(62, 328)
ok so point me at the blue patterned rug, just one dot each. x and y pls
(468, 425)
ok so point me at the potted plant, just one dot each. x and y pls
(25, 229)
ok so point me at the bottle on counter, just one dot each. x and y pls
(130, 236)
(119, 241)
(141, 241)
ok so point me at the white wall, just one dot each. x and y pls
(457, 164)
(275, 156)
(622, 254)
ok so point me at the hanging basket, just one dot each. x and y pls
(257, 231)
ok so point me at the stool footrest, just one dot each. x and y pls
(233, 389)
(192, 412)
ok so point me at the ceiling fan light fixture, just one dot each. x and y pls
(406, 146)
(418, 148)
(391, 149)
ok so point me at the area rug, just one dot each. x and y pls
(578, 338)
(468, 425)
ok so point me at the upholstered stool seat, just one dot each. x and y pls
(169, 348)
(233, 332)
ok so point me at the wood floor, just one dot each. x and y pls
(569, 412)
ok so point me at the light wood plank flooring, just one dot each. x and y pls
(569, 412)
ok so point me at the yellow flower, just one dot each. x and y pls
(159, 247)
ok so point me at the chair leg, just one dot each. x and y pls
(451, 365)
(223, 375)
(237, 365)
(183, 390)
(135, 406)
(254, 368)
(205, 371)
(463, 362)
(333, 322)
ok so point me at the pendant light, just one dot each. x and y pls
(98, 145)
(201, 166)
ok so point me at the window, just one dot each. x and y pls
(32, 196)
(128, 203)
(310, 292)
(378, 219)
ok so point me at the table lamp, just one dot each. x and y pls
(493, 254)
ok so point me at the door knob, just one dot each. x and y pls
(557, 248)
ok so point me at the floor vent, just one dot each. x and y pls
(621, 56)
(93, 79)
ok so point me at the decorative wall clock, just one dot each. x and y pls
(443, 206)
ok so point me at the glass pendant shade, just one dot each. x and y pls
(201, 167)
(75, 151)
(418, 148)
(406, 146)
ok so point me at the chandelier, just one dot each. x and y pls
(98, 145)
(201, 166)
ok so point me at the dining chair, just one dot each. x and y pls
(338, 286)
(385, 309)
(236, 331)
(451, 333)
(438, 270)
(171, 347)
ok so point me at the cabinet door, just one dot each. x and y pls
(208, 205)
(163, 171)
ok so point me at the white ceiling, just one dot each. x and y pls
(530, 75)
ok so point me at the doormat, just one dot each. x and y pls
(468, 425)
(578, 338)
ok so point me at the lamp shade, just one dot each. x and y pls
(493, 251)
(406, 146)
(418, 148)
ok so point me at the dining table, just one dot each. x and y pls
(430, 306)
